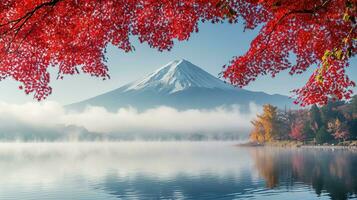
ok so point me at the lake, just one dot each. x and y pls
(173, 170)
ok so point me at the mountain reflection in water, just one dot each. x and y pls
(173, 170)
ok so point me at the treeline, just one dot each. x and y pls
(333, 123)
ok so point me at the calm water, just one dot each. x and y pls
(173, 170)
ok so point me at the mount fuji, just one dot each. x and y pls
(181, 85)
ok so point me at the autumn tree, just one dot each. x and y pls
(297, 128)
(331, 123)
(72, 35)
(266, 126)
(339, 130)
(302, 124)
(257, 133)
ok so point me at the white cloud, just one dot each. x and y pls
(126, 120)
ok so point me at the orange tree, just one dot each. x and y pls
(72, 35)
(266, 127)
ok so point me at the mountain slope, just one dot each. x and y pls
(177, 76)
(182, 85)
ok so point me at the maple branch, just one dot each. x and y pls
(28, 33)
(30, 13)
(23, 20)
(301, 11)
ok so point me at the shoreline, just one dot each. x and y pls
(294, 144)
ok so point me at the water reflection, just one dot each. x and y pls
(173, 170)
(326, 171)
(205, 186)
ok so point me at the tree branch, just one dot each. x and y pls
(301, 11)
(30, 13)
(26, 17)
(23, 20)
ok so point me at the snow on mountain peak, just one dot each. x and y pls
(176, 76)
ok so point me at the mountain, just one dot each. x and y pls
(177, 76)
(182, 85)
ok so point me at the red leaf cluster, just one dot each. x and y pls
(73, 34)
(303, 29)
(297, 132)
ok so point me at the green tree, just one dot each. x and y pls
(315, 118)
(353, 128)
(284, 125)
(308, 132)
(330, 112)
(354, 104)
(323, 136)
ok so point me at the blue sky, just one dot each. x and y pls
(211, 48)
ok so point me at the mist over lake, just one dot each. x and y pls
(173, 170)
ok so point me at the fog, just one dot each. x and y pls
(116, 170)
(51, 116)
(48, 162)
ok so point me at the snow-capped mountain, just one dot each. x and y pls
(176, 76)
(182, 85)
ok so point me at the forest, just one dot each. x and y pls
(334, 123)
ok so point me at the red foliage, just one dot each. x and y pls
(339, 130)
(36, 34)
(342, 134)
(305, 29)
(297, 131)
